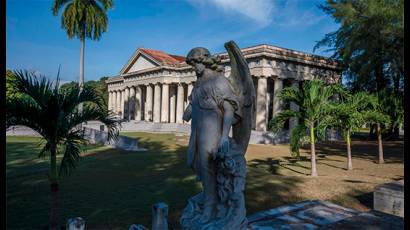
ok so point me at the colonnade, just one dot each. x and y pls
(262, 102)
(160, 102)
(165, 103)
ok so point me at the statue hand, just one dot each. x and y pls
(223, 147)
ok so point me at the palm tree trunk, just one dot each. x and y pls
(312, 151)
(349, 151)
(54, 215)
(81, 80)
(379, 140)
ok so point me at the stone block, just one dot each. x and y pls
(95, 136)
(160, 216)
(76, 223)
(389, 198)
(311, 214)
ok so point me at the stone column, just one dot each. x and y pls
(189, 91)
(293, 122)
(261, 104)
(180, 103)
(109, 100)
(131, 104)
(165, 103)
(190, 87)
(113, 99)
(138, 103)
(148, 104)
(277, 104)
(157, 103)
(126, 100)
(118, 104)
(172, 104)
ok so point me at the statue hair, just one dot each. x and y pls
(202, 55)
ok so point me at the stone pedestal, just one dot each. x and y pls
(76, 223)
(389, 198)
(159, 216)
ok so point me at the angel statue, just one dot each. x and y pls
(216, 104)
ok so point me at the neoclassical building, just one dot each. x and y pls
(153, 86)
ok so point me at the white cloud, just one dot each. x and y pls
(260, 11)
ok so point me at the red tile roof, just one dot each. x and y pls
(163, 57)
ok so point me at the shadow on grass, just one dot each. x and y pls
(361, 200)
(112, 188)
(366, 150)
(274, 165)
(266, 191)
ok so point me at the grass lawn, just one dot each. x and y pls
(112, 188)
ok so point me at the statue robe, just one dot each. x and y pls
(207, 106)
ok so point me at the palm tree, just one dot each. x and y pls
(347, 114)
(378, 116)
(83, 19)
(53, 113)
(311, 99)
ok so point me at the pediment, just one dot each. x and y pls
(139, 62)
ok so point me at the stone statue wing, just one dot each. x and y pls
(242, 84)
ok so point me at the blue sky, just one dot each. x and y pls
(36, 41)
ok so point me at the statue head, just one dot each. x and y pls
(200, 58)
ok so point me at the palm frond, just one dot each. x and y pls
(83, 19)
(297, 139)
(57, 5)
(72, 149)
(44, 150)
(278, 121)
(23, 111)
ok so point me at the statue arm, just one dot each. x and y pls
(223, 146)
(187, 113)
(228, 118)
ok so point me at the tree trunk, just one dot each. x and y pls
(81, 80)
(312, 151)
(371, 132)
(54, 211)
(396, 132)
(380, 81)
(349, 152)
(379, 140)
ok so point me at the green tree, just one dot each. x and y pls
(311, 99)
(11, 90)
(348, 115)
(53, 113)
(378, 116)
(99, 86)
(369, 41)
(83, 19)
(392, 106)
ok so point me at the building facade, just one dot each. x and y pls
(153, 86)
